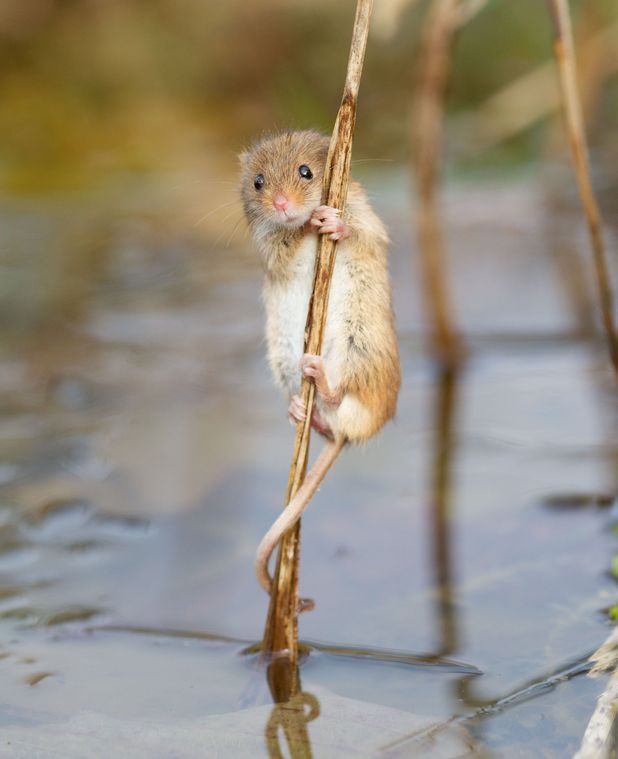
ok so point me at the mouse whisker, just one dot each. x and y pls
(372, 160)
(231, 237)
(220, 235)
(200, 183)
(215, 210)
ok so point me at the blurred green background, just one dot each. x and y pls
(90, 88)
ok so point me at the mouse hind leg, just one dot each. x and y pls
(320, 424)
(313, 368)
(298, 413)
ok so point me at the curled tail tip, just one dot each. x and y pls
(263, 577)
(292, 513)
(261, 568)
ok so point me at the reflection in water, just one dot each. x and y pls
(292, 711)
(446, 610)
(566, 257)
(539, 685)
(486, 708)
(306, 648)
(138, 459)
(293, 718)
(440, 511)
(571, 501)
(393, 656)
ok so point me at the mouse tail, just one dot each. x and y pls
(294, 510)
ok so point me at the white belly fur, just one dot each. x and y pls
(286, 307)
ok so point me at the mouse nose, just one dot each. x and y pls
(280, 202)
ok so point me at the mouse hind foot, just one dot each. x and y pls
(297, 412)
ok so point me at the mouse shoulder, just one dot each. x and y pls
(361, 216)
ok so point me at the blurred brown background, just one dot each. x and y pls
(95, 87)
(128, 114)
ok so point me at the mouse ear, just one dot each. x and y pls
(243, 157)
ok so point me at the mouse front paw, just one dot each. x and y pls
(327, 221)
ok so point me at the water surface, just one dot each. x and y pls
(459, 563)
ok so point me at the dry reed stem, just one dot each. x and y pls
(595, 49)
(596, 743)
(281, 632)
(565, 58)
(438, 37)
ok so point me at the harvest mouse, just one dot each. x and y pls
(357, 377)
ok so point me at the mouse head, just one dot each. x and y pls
(281, 178)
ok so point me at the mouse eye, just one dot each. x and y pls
(258, 182)
(305, 172)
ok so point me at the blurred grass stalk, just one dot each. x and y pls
(521, 103)
(437, 40)
(564, 51)
(281, 631)
(597, 59)
(443, 20)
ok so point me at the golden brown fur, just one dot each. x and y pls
(372, 370)
(359, 355)
(368, 359)
(271, 157)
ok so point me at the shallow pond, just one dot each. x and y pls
(460, 564)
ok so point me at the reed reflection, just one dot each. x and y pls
(440, 511)
(291, 713)
(293, 709)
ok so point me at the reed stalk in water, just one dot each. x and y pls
(281, 631)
